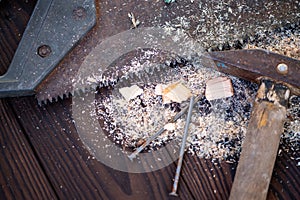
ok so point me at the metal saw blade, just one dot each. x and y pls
(214, 25)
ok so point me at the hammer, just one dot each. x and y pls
(278, 77)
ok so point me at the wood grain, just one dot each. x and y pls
(14, 16)
(285, 181)
(47, 158)
(21, 176)
(259, 152)
(73, 173)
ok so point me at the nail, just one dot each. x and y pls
(140, 148)
(182, 149)
(149, 140)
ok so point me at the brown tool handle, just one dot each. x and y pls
(259, 148)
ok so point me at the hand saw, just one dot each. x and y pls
(271, 100)
(54, 28)
(44, 64)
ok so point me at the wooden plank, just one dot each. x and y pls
(21, 176)
(75, 175)
(73, 172)
(285, 183)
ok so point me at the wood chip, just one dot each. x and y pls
(218, 88)
(159, 89)
(130, 92)
(170, 126)
(174, 92)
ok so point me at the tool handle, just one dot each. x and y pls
(53, 29)
(259, 149)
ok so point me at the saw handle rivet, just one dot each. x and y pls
(282, 68)
(44, 51)
(79, 13)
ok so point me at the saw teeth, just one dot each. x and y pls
(147, 69)
(61, 97)
(130, 75)
(100, 84)
(50, 100)
(153, 74)
(123, 82)
(241, 41)
(42, 101)
(94, 86)
(76, 92)
(82, 90)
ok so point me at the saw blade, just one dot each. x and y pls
(214, 25)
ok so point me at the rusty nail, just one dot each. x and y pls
(79, 13)
(282, 68)
(44, 51)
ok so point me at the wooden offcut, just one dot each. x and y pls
(174, 92)
(217, 88)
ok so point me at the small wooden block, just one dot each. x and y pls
(218, 88)
(174, 92)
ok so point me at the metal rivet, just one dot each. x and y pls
(44, 51)
(282, 68)
(79, 13)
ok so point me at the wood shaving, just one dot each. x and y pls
(174, 92)
(135, 22)
(217, 127)
(170, 126)
(130, 92)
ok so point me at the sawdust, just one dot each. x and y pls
(290, 140)
(220, 25)
(284, 43)
(285, 40)
(217, 126)
(216, 25)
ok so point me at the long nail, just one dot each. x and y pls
(174, 119)
(182, 149)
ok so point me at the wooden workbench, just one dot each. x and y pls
(42, 156)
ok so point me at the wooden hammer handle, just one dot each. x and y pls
(259, 148)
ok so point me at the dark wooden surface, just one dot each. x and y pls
(42, 156)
